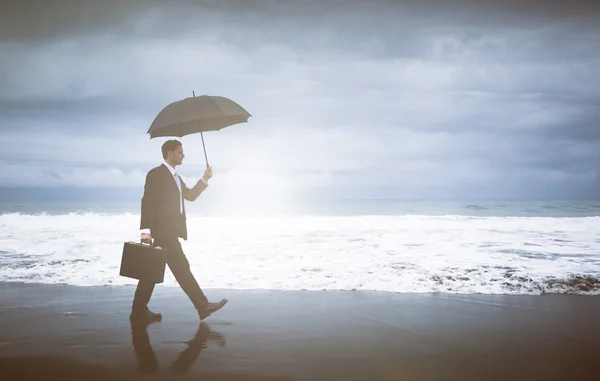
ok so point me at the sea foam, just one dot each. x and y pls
(410, 253)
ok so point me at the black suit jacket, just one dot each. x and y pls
(160, 204)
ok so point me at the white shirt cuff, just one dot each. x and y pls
(204, 181)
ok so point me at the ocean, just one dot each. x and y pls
(491, 247)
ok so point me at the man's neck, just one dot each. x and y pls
(171, 164)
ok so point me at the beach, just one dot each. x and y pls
(60, 332)
(382, 190)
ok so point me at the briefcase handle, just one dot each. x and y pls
(150, 244)
(147, 244)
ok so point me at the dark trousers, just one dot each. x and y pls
(180, 267)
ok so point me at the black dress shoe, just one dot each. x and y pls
(211, 308)
(144, 314)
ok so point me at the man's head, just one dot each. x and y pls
(172, 152)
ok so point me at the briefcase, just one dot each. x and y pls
(143, 262)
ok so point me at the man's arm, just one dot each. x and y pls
(149, 202)
(201, 185)
(192, 194)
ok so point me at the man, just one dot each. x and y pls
(164, 221)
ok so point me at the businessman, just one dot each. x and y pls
(163, 222)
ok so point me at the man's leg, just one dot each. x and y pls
(139, 307)
(180, 267)
(142, 296)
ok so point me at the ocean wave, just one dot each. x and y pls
(556, 209)
(475, 207)
(456, 254)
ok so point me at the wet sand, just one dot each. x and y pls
(54, 332)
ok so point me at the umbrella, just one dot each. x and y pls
(197, 114)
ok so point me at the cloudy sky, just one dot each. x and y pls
(404, 99)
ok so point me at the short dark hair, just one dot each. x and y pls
(169, 145)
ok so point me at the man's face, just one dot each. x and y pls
(177, 156)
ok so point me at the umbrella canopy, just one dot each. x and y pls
(197, 114)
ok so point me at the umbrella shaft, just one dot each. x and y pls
(204, 147)
(202, 136)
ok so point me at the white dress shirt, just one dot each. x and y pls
(178, 182)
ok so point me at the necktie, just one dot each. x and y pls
(180, 195)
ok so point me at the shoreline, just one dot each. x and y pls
(254, 290)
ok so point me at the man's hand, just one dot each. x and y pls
(146, 238)
(207, 173)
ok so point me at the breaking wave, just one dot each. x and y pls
(410, 253)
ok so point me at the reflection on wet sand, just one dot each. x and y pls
(147, 360)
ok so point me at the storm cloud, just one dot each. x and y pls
(436, 99)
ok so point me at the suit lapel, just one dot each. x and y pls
(169, 178)
(174, 190)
